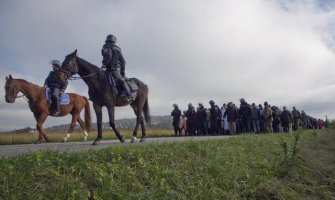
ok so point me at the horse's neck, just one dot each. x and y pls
(85, 68)
(28, 89)
(91, 74)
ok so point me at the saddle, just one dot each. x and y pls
(119, 91)
(63, 100)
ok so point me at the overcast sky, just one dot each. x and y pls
(280, 51)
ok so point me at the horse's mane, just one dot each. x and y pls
(93, 67)
(26, 82)
(85, 62)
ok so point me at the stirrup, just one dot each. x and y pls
(130, 98)
(54, 112)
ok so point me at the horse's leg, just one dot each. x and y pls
(133, 138)
(112, 123)
(143, 130)
(72, 125)
(39, 126)
(40, 137)
(138, 109)
(82, 125)
(98, 112)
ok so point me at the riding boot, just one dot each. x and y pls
(53, 109)
(127, 90)
(55, 101)
(57, 107)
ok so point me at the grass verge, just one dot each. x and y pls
(271, 166)
(76, 136)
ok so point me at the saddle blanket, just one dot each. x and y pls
(64, 99)
(132, 94)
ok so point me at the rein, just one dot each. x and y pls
(22, 95)
(78, 77)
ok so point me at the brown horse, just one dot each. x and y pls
(39, 105)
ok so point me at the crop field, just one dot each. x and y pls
(27, 138)
(265, 166)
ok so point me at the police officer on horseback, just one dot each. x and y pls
(114, 63)
(57, 83)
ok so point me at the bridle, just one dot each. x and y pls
(12, 92)
(70, 73)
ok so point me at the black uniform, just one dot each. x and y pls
(176, 113)
(215, 118)
(245, 112)
(115, 64)
(191, 120)
(57, 87)
(286, 118)
(201, 121)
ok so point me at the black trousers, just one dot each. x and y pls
(55, 99)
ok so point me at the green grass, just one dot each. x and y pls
(76, 136)
(266, 166)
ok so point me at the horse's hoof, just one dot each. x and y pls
(123, 139)
(85, 140)
(38, 141)
(96, 142)
(142, 140)
(63, 140)
(133, 139)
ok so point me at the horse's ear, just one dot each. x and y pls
(10, 77)
(74, 53)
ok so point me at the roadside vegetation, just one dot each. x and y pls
(76, 136)
(266, 166)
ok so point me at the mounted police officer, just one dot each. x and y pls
(57, 82)
(114, 63)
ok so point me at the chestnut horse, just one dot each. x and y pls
(102, 94)
(40, 106)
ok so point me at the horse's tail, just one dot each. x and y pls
(88, 119)
(146, 112)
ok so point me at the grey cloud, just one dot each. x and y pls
(189, 51)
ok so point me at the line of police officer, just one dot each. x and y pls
(202, 121)
(245, 119)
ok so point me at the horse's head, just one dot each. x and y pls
(62, 74)
(70, 65)
(11, 89)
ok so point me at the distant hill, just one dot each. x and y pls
(22, 130)
(157, 122)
